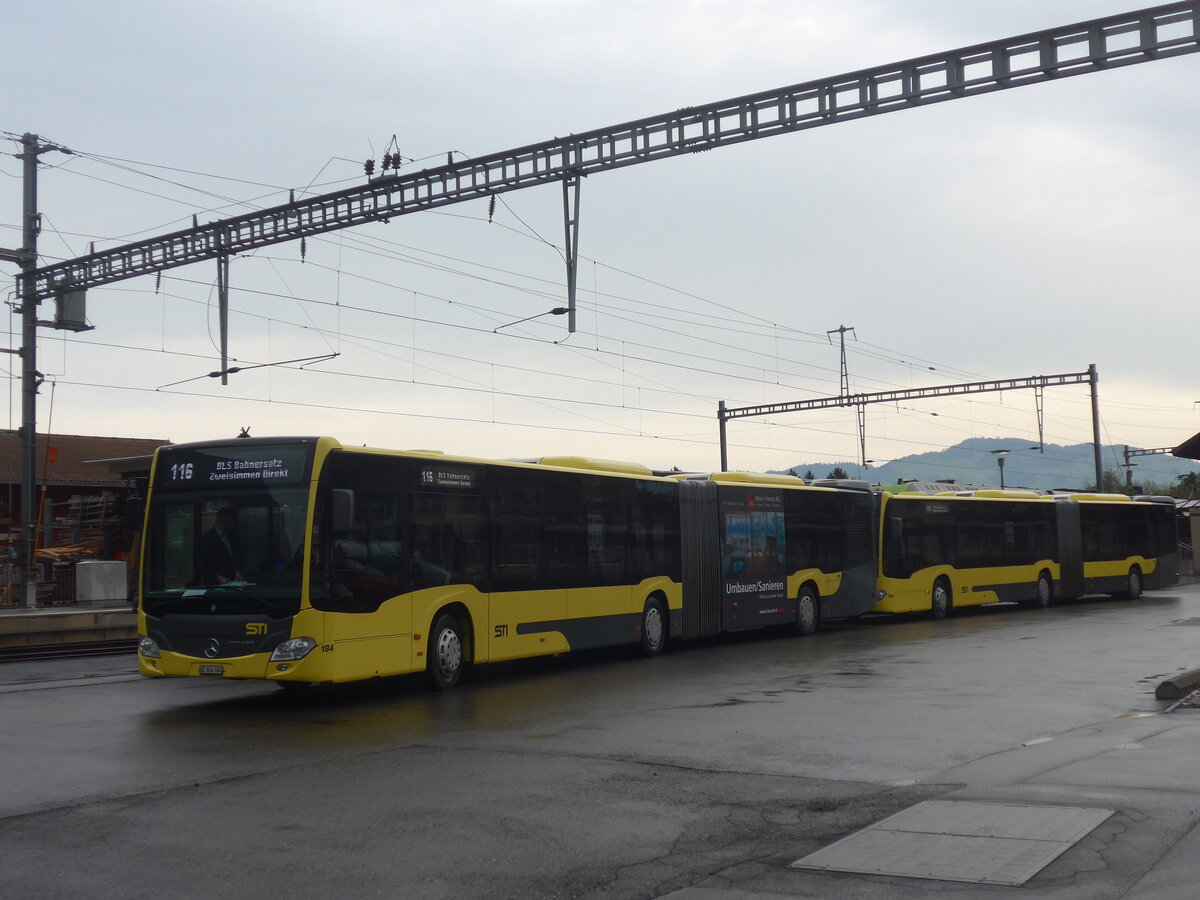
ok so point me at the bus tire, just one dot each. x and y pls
(444, 659)
(654, 628)
(941, 601)
(1133, 588)
(807, 615)
(1045, 590)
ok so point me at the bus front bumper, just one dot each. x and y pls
(257, 666)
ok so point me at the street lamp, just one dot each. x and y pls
(557, 311)
(1000, 454)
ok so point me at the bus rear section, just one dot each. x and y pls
(1117, 545)
(946, 550)
(767, 550)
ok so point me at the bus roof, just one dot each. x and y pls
(996, 494)
(929, 487)
(754, 478)
(594, 465)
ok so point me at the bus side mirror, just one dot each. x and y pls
(135, 513)
(341, 509)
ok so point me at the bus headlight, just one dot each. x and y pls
(293, 648)
(149, 649)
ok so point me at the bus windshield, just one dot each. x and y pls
(234, 545)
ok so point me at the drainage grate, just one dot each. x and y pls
(952, 840)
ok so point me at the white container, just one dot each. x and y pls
(100, 582)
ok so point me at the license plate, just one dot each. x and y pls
(212, 670)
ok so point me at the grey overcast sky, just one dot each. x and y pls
(1027, 232)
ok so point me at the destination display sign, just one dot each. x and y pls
(253, 466)
(753, 558)
(446, 476)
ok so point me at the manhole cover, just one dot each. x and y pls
(951, 840)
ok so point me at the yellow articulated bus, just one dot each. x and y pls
(302, 561)
(977, 547)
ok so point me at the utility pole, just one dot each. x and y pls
(1093, 382)
(844, 391)
(30, 377)
(844, 381)
(26, 257)
(724, 444)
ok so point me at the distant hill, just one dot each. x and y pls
(972, 462)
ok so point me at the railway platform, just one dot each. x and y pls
(24, 627)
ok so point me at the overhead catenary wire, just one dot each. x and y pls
(656, 360)
(896, 357)
(251, 203)
(340, 374)
(365, 339)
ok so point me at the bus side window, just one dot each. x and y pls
(564, 531)
(893, 537)
(607, 530)
(654, 518)
(447, 540)
(362, 516)
(518, 540)
(341, 509)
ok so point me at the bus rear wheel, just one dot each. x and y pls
(941, 601)
(654, 628)
(1133, 586)
(1045, 590)
(806, 611)
(444, 658)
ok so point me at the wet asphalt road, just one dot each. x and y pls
(595, 775)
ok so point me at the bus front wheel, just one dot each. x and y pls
(444, 659)
(654, 628)
(940, 602)
(806, 611)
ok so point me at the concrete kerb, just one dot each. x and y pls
(1178, 686)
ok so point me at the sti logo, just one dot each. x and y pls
(256, 628)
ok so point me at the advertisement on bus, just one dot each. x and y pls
(753, 569)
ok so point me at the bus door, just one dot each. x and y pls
(600, 604)
(527, 606)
